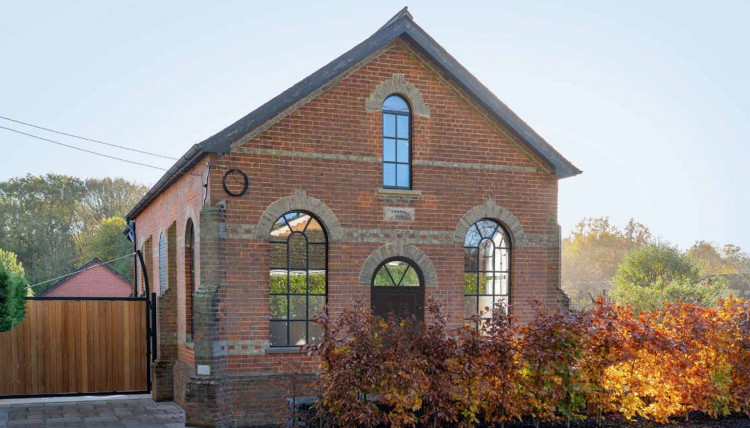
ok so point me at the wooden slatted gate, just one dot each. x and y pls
(77, 346)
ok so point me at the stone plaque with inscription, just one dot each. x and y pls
(399, 214)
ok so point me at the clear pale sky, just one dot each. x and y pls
(651, 99)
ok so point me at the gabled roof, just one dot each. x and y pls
(90, 264)
(401, 25)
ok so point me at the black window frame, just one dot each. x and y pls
(395, 137)
(309, 319)
(478, 272)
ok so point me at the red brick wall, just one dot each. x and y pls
(182, 201)
(94, 282)
(330, 148)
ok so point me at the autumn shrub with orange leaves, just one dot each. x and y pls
(563, 365)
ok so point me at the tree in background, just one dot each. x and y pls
(729, 264)
(108, 197)
(107, 242)
(13, 289)
(38, 222)
(591, 254)
(10, 262)
(48, 220)
(654, 274)
(709, 259)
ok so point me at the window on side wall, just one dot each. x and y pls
(162, 264)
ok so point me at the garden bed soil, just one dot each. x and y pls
(697, 420)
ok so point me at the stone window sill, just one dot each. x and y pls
(400, 192)
(284, 350)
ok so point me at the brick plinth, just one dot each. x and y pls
(207, 403)
(162, 380)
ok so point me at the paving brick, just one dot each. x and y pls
(25, 423)
(52, 421)
(90, 414)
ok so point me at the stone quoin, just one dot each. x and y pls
(389, 170)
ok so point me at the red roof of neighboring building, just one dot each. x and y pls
(94, 279)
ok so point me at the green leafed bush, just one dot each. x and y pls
(655, 274)
(13, 289)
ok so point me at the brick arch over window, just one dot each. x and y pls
(398, 249)
(400, 86)
(299, 202)
(493, 211)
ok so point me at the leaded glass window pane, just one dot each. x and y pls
(389, 125)
(402, 176)
(396, 104)
(389, 174)
(402, 126)
(314, 333)
(396, 273)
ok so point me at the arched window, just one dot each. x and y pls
(162, 264)
(396, 273)
(146, 269)
(299, 260)
(396, 143)
(486, 268)
(397, 289)
(189, 278)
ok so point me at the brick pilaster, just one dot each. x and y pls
(162, 369)
(207, 401)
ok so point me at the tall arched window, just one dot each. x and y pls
(189, 278)
(146, 269)
(486, 268)
(396, 143)
(162, 264)
(299, 260)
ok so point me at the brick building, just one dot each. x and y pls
(390, 175)
(94, 279)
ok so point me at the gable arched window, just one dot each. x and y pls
(299, 260)
(162, 264)
(396, 143)
(487, 251)
(398, 289)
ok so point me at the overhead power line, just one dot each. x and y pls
(80, 270)
(82, 149)
(88, 139)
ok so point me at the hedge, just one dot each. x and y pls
(563, 365)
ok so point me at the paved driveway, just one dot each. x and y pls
(125, 412)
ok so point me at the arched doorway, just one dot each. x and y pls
(398, 289)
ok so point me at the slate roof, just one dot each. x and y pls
(401, 25)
